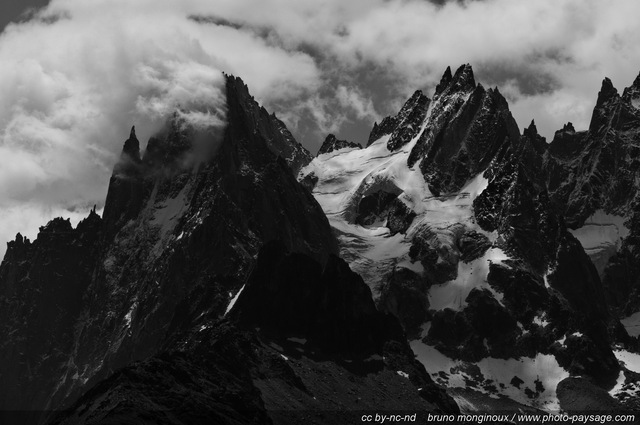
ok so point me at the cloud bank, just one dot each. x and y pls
(78, 74)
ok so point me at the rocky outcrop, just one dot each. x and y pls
(331, 143)
(472, 125)
(406, 125)
(375, 207)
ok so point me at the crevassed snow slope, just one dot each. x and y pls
(347, 175)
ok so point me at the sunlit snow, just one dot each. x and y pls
(630, 360)
(347, 175)
(233, 301)
(632, 324)
(471, 275)
(494, 372)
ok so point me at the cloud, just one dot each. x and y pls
(552, 50)
(76, 75)
(352, 99)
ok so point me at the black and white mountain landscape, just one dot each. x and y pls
(449, 261)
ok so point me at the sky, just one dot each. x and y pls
(77, 74)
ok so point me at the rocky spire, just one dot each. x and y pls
(131, 148)
(463, 80)
(532, 130)
(607, 96)
(607, 92)
(444, 81)
(633, 91)
(532, 139)
(409, 120)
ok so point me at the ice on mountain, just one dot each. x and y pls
(542, 367)
(169, 211)
(541, 321)
(630, 360)
(233, 301)
(601, 236)
(403, 374)
(129, 315)
(632, 324)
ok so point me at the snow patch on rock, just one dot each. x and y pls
(494, 376)
(632, 324)
(601, 237)
(233, 301)
(453, 294)
(630, 360)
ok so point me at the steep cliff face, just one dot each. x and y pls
(185, 245)
(470, 126)
(300, 341)
(592, 179)
(183, 225)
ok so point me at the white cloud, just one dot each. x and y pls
(352, 99)
(70, 89)
(574, 44)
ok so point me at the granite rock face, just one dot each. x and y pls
(472, 125)
(591, 177)
(132, 305)
(331, 143)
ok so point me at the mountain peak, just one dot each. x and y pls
(532, 130)
(607, 91)
(131, 148)
(332, 143)
(444, 81)
(247, 120)
(607, 96)
(463, 80)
